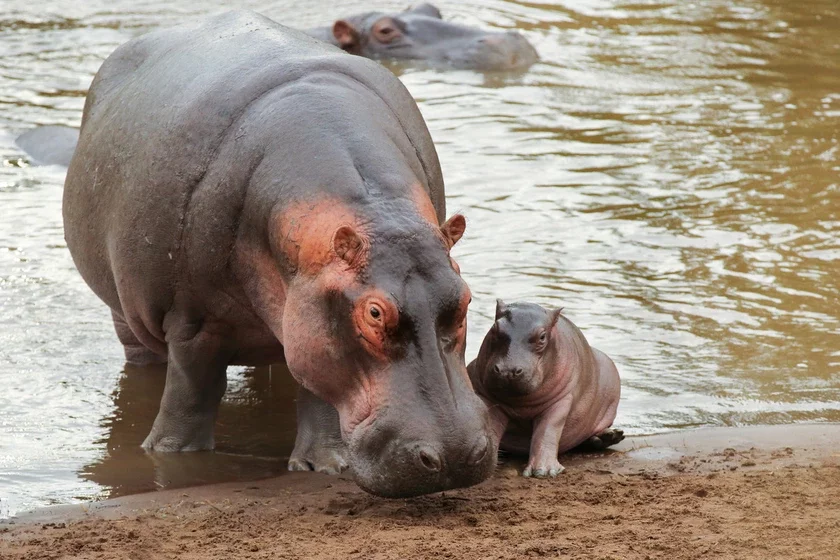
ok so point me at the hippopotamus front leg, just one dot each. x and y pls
(195, 383)
(545, 441)
(318, 445)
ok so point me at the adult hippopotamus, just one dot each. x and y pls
(420, 33)
(539, 373)
(242, 194)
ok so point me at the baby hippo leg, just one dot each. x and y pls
(601, 441)
(545, 441)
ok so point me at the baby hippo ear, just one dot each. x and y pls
(501, 309)
(453, 229)
(553, 315)
(349, 246)
(347, 36)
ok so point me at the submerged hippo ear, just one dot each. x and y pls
(426, 10)
(501, 309)
(349, 246)
(453, 229)
(347, 36)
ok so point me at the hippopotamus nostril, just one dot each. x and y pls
(478, 452)
(430, 459)
(516, 372)
(496, 369)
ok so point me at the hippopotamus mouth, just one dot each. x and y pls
(420, 33)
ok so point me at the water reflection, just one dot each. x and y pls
(255, 433)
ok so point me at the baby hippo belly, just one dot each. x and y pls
(595, 410)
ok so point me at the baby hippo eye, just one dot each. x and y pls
(543, 336)
(375, 312)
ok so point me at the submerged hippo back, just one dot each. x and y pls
(159, 112)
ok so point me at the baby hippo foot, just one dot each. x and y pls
(318, 445)
(603, 440)
(543, 469)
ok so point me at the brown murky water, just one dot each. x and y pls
(670, 174)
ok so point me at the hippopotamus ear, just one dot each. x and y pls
(553, 315)
(426, 10)
(453, 229)
(347, 36)
(501, 309)
(349, 246)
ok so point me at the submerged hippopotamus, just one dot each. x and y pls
(539, 373)
(420, 33)
(243, 194)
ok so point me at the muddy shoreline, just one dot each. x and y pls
(754, 492)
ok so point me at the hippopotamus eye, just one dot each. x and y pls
(543, 336)
(375, 312)
(386, 30)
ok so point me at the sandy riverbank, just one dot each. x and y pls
(764, 492)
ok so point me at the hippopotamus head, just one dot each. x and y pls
(513, 354)
(375, 324)
(419, 33)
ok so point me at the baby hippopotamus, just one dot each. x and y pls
(538, 373)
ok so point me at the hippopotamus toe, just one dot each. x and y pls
(322, 460)
(550, 470)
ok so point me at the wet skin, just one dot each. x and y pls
(537, 371)
(244, 194)
(420, 33)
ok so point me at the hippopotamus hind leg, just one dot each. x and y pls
(318, 445)
(195, 384)
(136, 352)
(601, 441)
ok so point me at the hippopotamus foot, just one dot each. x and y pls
(318, 445)
(135, 352)
(195, 383)
(602, 440)
(543, 469)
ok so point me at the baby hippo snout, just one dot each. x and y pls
(510, 380)
(508, 372)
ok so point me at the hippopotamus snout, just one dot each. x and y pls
(429, 437)
(403, 454)
(503, 51)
